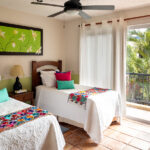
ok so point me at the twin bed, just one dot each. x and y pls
(100, 110)
(44, 133)
(40, 134)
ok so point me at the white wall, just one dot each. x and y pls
(53, 40)
(72, 46)
(59, 42)
(72, 33)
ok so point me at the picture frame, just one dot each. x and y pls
(20, 40)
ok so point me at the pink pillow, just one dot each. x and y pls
(63, 76)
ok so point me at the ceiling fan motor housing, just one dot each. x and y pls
(72, 5)
(40, 1)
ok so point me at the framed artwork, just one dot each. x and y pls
(20, 40)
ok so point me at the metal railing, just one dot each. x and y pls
(138, 88)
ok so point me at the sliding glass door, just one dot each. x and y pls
(138, 72)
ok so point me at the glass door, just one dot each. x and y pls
(138, 72)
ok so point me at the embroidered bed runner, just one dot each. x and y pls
(82, 96)
(18, 118)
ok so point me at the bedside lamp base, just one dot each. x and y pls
(17, 85)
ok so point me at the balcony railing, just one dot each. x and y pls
(138, 88)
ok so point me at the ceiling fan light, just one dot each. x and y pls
(72, 12)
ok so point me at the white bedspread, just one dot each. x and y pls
(98, 115)
(40, 134)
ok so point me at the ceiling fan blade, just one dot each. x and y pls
(84, 15)
(56, 14)
(98, 7)
(46, 4)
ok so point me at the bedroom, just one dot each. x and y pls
(61, 42)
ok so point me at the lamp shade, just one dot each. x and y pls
(16, 70)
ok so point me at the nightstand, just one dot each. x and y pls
(24, 97)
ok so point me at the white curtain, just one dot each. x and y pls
(96, 55)
(119, 59)
(102, 56)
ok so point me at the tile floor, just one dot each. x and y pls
(131, 135)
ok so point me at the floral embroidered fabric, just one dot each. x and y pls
(18, 118)
(81, 96)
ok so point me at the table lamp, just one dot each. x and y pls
(17, 71)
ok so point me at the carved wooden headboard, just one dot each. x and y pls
(36, 79)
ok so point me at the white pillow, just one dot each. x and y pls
(48, 78)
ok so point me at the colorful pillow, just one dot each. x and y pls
(4, 95)
(60, 72)
(63, 76)
(48, 78)
(65, 84)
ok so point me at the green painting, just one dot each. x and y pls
(20, 40)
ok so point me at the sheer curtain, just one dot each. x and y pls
(102, 56)
(119, 60)
(96, 51)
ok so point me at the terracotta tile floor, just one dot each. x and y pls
(130, 135)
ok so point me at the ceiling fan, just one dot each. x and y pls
(75, 7)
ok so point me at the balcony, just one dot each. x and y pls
(138, 88)
(138, 96)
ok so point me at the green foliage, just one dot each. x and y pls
(138, 51)
(138, 61)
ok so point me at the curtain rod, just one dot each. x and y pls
(126, 19)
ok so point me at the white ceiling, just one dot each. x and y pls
(25, 6)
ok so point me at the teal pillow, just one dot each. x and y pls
(4, 95)
(65, 84)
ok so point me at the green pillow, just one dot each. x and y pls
(4, 95)
(65, 84)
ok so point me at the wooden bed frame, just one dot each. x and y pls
(36, 79)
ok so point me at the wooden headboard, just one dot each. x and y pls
(36, 79)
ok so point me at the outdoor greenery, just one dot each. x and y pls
(138, 63)
(138, 51)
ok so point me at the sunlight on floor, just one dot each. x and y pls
(130, 135)
(138, 113)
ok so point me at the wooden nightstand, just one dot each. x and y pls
(24, 97)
